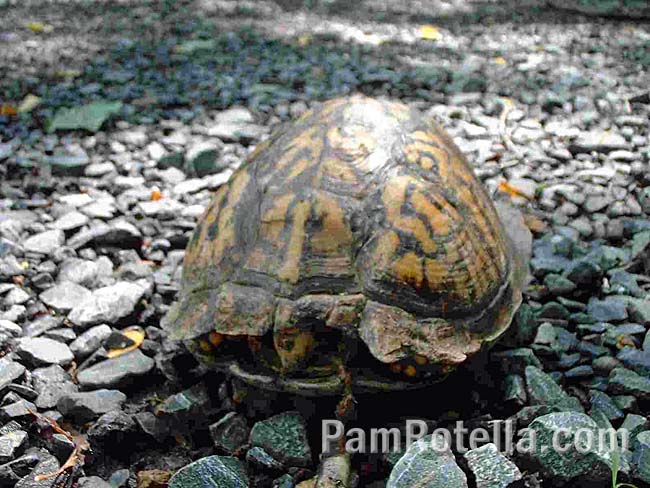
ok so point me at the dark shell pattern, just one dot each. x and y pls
(361, 216)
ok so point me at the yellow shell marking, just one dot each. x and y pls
(290, 270)
(409, 269)
(335, 233)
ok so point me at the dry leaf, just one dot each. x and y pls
(304, 40)
(29, 103)
(430, 33)
(39, 27)
(136, 334)
(156, 194)
(8, 109)
(500, 61)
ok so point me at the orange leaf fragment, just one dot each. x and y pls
(136, 334)
(513, 191)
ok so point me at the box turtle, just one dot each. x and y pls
(355, 239)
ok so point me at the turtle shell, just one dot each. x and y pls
(355, 236)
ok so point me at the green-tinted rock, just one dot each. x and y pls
(89, 117)
(627, 403)
(602, 402)
(542, 390)
(593, 464)
(491, 468)
(522, 329)
(284, 437)
(641, 456)
(202, 160)
(634, 424)
(635, 9)
(67, 164)
(624, 381)
(173, 160)
(558, 284)
(527, 414)
(192, 399)
(426, 466)
(553, 310)
(585, 273)
(514, 389)
(284, 481)
(211, 472)
(515, 360)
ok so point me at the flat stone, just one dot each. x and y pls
(108, 304)
(608, 310)
(51, 384)
(10, 371)
(40, 351)
(84, 406)
(70, 221)
(116, 372)
(84, 345)
(45, 243)
(64, 296)
(491, 468)
(12, 445)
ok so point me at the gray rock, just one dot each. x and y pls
(608, 310)
(116, 372)
(118, 233)
(46, 464)
(213, 471)
(599, 141)
(19, 410)
(16, 296)
(107, 304)
(84, 406)
(64, 296)
(40, 351)
(230, 433)
(93, 482)
(84, 345)
(284, 437)
(85, 272)
(594, 464)
(491, 468)
(12, 445)
(45, 243)
(41, 325)
(51, 384)
(70, 221)
(10, 371)
(427, 465)
(112, 428)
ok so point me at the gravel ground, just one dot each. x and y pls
(551, 108)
